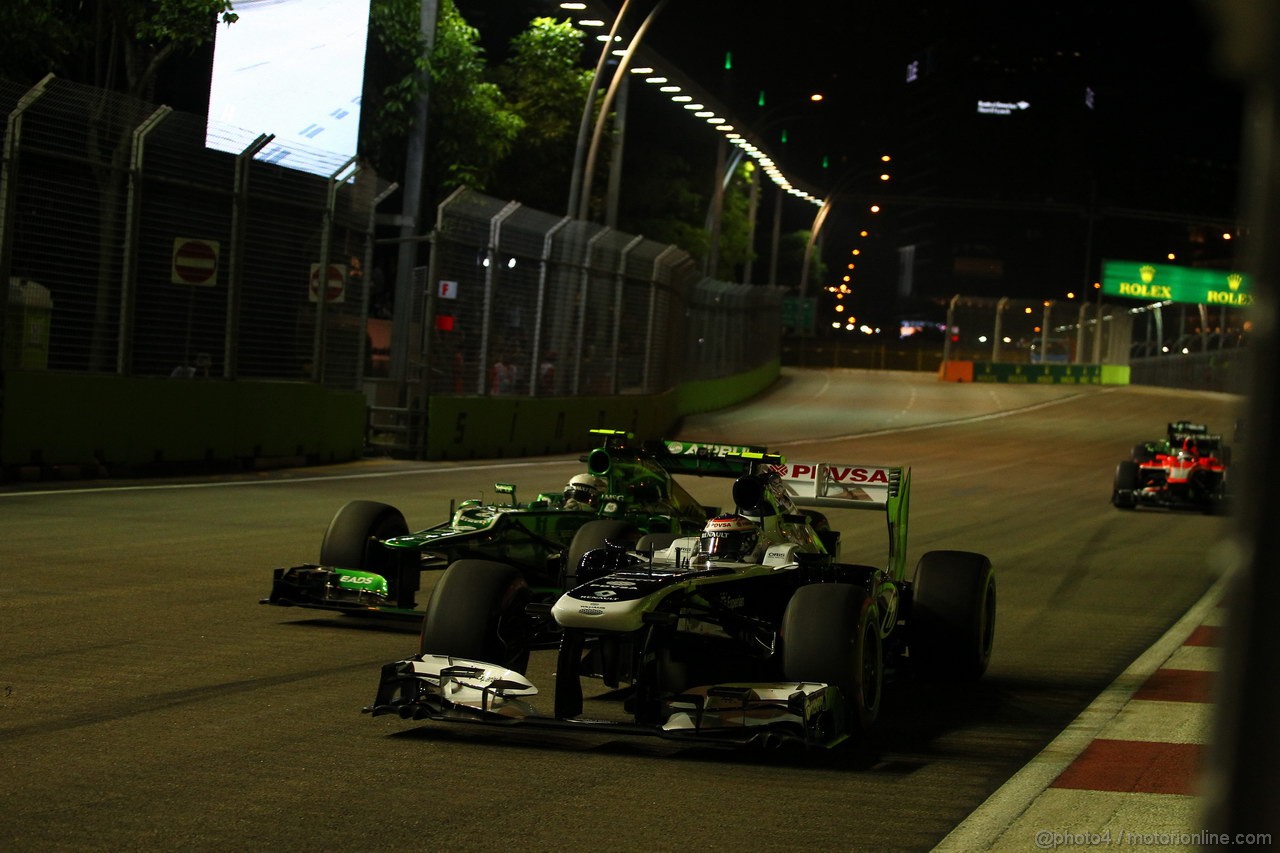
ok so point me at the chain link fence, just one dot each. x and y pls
(522, 302)
(1029, 331)
(132, 249)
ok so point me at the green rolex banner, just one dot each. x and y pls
(1156, 281)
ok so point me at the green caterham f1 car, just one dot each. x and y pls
(370, 562)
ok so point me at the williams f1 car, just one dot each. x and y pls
(370, 563)
(753, 632)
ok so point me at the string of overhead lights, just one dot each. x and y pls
(655, 71)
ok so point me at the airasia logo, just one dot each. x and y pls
(837, 473)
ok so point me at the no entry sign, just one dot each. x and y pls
(335, 286)
(194, 262)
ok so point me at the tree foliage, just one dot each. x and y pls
(472, 125)
(471, 128)
(546, 86)
(735, 224)
(509, 130)
(545, 81)
(120, 45)
(664, 204)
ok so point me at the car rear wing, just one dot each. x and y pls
(701, 459)
(839, 485)
(715, 460)
(880, 487)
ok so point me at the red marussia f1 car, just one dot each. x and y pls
(1188, 471)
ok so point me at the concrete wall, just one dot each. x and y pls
(113, 424)
(1036, 374)
(57, 419)
(488, 427)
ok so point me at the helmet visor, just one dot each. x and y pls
(728, 545)
(581, 494)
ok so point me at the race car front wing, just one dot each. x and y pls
(449, 689)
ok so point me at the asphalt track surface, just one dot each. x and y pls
(148, 702)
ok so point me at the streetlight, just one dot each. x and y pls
(820, 219)
(575, 176)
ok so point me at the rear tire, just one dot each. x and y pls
(353, 531)
(476, 611)
(831, 635)
(1125, 485)
(953, 615)
(1141, 453)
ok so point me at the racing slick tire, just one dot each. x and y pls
(477, 611)
(593, 535)
(953, 615)
(359, 523)
(1125, 485)
(831, 635)
(1141, 453)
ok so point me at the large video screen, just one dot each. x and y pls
(293, 68)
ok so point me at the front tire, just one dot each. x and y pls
(953, 615)
(477, 611)
(831, 635)
(593, 535)
(1125, 485)
(354, 532)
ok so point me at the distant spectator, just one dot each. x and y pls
(547, 374)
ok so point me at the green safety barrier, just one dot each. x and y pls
(54, 418)
(64, 419)
(1051, 374)
(489, 427)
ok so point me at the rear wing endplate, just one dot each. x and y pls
(831, 484)
(839, 485)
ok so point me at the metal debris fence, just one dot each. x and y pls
(147, 254)
(132, 249)
(521, 302)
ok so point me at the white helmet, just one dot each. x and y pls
(584, 490)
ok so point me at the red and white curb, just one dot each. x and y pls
(1125, 772)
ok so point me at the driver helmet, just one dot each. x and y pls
(583, 490)
(728, 537)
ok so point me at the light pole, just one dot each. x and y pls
(821, 217)
(415, 157)
(580, 151)
(767, 121)
(618, 76)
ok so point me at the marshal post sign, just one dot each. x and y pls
(1167, 283)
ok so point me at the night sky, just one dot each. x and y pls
(1162, 134)
(1149, 63)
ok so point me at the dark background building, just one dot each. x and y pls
(1027, 141)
